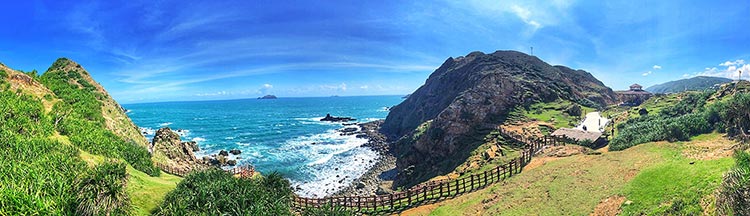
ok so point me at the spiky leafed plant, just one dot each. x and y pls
(734, 197)
(102, 191)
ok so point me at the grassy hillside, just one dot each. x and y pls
(654, 178)
(46, 137)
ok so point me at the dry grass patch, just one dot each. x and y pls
(609, 206)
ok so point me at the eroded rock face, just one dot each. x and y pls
(469, 96)
(179, 154)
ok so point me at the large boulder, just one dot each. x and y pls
(170, 150)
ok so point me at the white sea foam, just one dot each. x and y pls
(334, 161)
(198, 139)
(147, 131)
(371, 119)
(228, 138)
(165, 124)
(384, 109)
(183, 133)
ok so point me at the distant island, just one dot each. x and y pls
(268, 97)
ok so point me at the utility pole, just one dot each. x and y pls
(740, 76)
(532, 50)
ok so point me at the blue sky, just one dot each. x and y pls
(144, 51)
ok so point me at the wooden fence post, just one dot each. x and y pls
(440, 192)
(390, 197)
(408, 197)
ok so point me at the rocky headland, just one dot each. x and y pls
(178, 156)
(436, 127)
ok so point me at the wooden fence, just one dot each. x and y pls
(433, 191)
(243, 171)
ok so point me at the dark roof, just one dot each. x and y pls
(631, 92)
(636, 86)
(577, 134)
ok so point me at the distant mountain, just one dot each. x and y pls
(693, 84)
(469, 96)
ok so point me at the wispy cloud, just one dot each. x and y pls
(656, 67)
(647, 73)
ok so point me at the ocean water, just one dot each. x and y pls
(284, 135)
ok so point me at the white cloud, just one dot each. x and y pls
(219, 93)
(340, 87)
(657, 67)
(364, 87)
(265, 89)
(728, 69)
(646, 74)
(732, 63)
(525, 15)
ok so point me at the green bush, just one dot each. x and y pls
(327, 210)
(102, 191)
(215, 192)
(689, 117)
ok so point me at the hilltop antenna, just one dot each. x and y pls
(740, 76)
(532, 50)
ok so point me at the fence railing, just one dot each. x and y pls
(244, 171)
(433, 191)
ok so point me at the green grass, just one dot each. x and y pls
(654, 176)
(553, 112)
(148, 192)
(676, 186)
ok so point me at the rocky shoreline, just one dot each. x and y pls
(379, 177)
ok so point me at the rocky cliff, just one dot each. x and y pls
(172, 152)
(466, 97)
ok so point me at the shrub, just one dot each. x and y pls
(327, 210)
(574, 110)
(215, 192)
(103, 192)
(643, 111)
(734, 195)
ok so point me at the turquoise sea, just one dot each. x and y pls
(284, 134)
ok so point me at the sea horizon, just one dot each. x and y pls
(256, 98)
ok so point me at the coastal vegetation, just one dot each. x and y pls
(692, 115)
(79, 116)
(215, 192)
